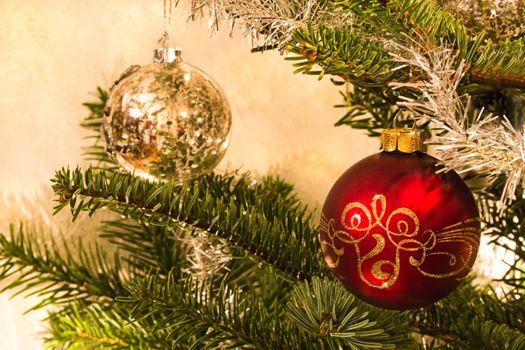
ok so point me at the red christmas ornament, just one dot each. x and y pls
(396, 233)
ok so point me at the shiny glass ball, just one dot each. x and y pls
(167, 121)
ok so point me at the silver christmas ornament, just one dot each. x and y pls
(499, 19)
(167, 120)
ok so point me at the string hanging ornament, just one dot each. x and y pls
(396, 233)
(167, 120)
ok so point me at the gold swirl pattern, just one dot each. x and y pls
(402, 231)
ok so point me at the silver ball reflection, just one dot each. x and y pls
(498, 19)
(167, 121)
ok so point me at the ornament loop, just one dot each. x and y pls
(167, 55)
(402, 139)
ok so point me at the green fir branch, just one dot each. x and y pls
(262, 219)
(149, 246)
(212, 318)
(449, 318)
(260, 281)
(481, 334)
(165, 249)
(80, 327)
(370, 111)
(507, 229)
(93, 123)
(342, 53)
(501, 64)
(406, 21)
(57, 273)
(361, 53)
(325, 309)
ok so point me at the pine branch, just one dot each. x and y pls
(93, 123)
(450, 318)
(206, 317)
(488, 335)
(369, 110)
(166, 249)
(342, 53)
(501, 65)
(82, 327)
(262, 219)
(360, 53)
(57, 273)
(146, 245)
(324, 308)
(406, 20)
(507, 229)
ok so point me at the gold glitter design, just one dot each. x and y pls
(401, 227)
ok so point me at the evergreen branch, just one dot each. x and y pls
(507, 229)
(324, 308)
(501, 65)
(370, 111)
(342, 53)
(405, 20)
(52, 272)
(480, 334)
(211, 318)
(147, 245)
(448, 318)
(93, 123)
(265, 220)
(81, 327)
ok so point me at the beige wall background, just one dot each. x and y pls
(54, 53)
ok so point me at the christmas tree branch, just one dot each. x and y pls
(53, 272)
(208, 317)
(451, 319)
(263, 219)
(501, 65)
(480, 334)
(368, 22)
(81, 327)
(325, 309)
(507, 229)
(345, 54)
(153, 246)
(406, 20)
(93, 123)
(367, 109)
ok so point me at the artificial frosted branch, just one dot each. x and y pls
(270, 23)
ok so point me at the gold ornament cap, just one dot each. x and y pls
(403, 140)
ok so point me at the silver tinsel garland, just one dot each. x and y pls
(268, 22)
(488, 147)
